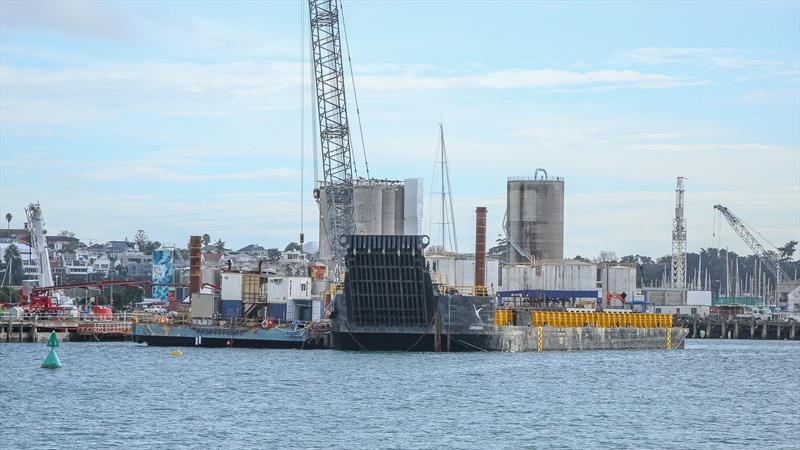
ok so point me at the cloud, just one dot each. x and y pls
(94, 19)
(521, 79)
(756, 64)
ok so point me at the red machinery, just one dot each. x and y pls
(621, 297)
(40, 299)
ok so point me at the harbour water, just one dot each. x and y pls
(712, 394)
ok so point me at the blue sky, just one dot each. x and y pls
(184, 117)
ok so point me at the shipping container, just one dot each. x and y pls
(231, 286)
(281, 289)
(251, 288)
(302, 310)
(231, 308)
(203, 306)
(277, 311)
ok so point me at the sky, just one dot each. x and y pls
(184, 118)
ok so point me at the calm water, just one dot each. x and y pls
(713, 394)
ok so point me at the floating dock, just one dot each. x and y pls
(185, 335)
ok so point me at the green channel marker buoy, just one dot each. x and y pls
(52, 361)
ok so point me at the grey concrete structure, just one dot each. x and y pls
(382, 207)
(527, 339)
(535, 217)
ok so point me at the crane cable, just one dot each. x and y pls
(355, 95)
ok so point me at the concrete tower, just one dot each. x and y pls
(535, 217)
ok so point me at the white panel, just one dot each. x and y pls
(412, 206)
(316, 310)
(231, 286)
(698, 298)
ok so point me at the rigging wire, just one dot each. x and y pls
(302, 118)
(355, 95)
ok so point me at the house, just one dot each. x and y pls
(17, 234)
(102, 265)
(96, 250)
(293, 256)
(116, 248)
(253, 250)
(57, 244)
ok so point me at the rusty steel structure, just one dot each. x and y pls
(194, 264)
(480, 246)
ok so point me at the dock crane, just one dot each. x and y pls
(767, 259)
(334, 130)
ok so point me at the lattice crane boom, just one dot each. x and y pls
(771, 263)
(679, 238)
(337, 158)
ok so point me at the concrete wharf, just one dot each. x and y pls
(720, 328)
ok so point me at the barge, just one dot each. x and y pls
(390, 303)
(255, 336)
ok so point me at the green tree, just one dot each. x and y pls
(293, 246)
(13, 265)
(219, 246)
(273, 254)
(787, 251)
(206, 240)
(8, 220)
(145, 245)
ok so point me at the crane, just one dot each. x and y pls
(334, 130)
(679, 239)
(768, 259)
(39, 244)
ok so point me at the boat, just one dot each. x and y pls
(390, 303)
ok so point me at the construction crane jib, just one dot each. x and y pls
(767, 259)
(679, 238)
(337, 166)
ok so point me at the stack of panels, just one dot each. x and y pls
(387, 282)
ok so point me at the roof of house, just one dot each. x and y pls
(61, 239)
(212, 257)
(252, 248)
(118, 246)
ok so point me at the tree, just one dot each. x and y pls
(66, 233)
(787, 251)
(145, 245)
(8, 220)
(607, 256)
(219, 246)
(293, 246)
(206, 239)
(273, 254)
(13, 272)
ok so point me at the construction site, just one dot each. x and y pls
(382, 276)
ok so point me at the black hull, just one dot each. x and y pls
(174, 341)
(409, 342)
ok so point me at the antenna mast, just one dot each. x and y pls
(679, 239)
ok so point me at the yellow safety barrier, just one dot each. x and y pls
(504, 317)
(592, 319)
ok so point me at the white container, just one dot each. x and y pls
(281, 289)
(203, 306)
(231, 286)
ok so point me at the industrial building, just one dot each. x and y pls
(385, 207)
(459, 270)
(535, 217)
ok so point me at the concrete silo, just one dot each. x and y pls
(380, 207)
(535, 216)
